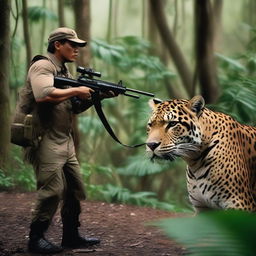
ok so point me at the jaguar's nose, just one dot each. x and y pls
(153, 145)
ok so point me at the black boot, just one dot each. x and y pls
(37, 243)
(70, 219)
(72, 239)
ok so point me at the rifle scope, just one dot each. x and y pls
(88, 71)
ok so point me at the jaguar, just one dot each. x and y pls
(220, 152)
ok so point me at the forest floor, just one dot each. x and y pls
(124, 230)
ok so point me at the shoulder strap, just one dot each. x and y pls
(98, 108)
(38, 57)
(42, 57)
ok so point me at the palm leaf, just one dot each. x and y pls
(238, 100)
(230, 63)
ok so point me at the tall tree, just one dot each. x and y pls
(4, 78)
(249, 15)
(204, 48)
(83, 28)
(61, 13)
(156, 40)
(26, 31)
(157, 9)
(110, 15)
(113, 9)
(43, 30)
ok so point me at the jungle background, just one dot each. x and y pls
(172, 48)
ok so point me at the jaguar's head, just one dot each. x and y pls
(174, 128)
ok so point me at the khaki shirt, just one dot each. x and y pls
(57, 115)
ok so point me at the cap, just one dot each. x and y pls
(65, 33)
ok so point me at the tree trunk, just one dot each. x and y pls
(83, 29)
(4, 80)
(110, 15)
(217, 12)
(43, 30)
(26, 31)
(204, 41)
(115, 18)
(61, 13)
(249, 16)
(175, 23)
(172, 47)
(144, 18)
(155, 39)
(83, 26)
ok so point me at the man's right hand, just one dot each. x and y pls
(84, 93)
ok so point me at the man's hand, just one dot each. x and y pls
(109, 94)
(84, 93)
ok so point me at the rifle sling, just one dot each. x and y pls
(98, 108)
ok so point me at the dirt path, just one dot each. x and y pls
(121, 228)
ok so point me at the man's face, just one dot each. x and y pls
(66, 52)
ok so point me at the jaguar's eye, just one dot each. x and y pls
(171, 124)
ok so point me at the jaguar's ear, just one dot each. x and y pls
(196, 104)
(153, 103)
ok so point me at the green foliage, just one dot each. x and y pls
(237, 79)
(137, 58)
(238, 87)
(110, 54)
(22, 175)
(140, 165)
(37, 13)
(225, 233)
(130, 56)
(5, 181)
(18, 175)
(116, 193)
(17, 72)
(232, 66)
(90, 125)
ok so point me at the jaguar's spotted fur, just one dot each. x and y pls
(219, 151)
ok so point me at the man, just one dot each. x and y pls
(53, 156)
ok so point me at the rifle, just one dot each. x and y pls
(86, 79)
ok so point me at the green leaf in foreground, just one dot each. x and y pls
(223, 233)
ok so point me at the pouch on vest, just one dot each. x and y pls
(22, 131)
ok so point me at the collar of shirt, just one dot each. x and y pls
(61, 68)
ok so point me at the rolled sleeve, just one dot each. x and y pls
(41, 78)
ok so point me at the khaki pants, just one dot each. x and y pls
(58, 178)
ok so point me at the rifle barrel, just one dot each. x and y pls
(140, 92)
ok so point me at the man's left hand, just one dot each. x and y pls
(109, 94)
